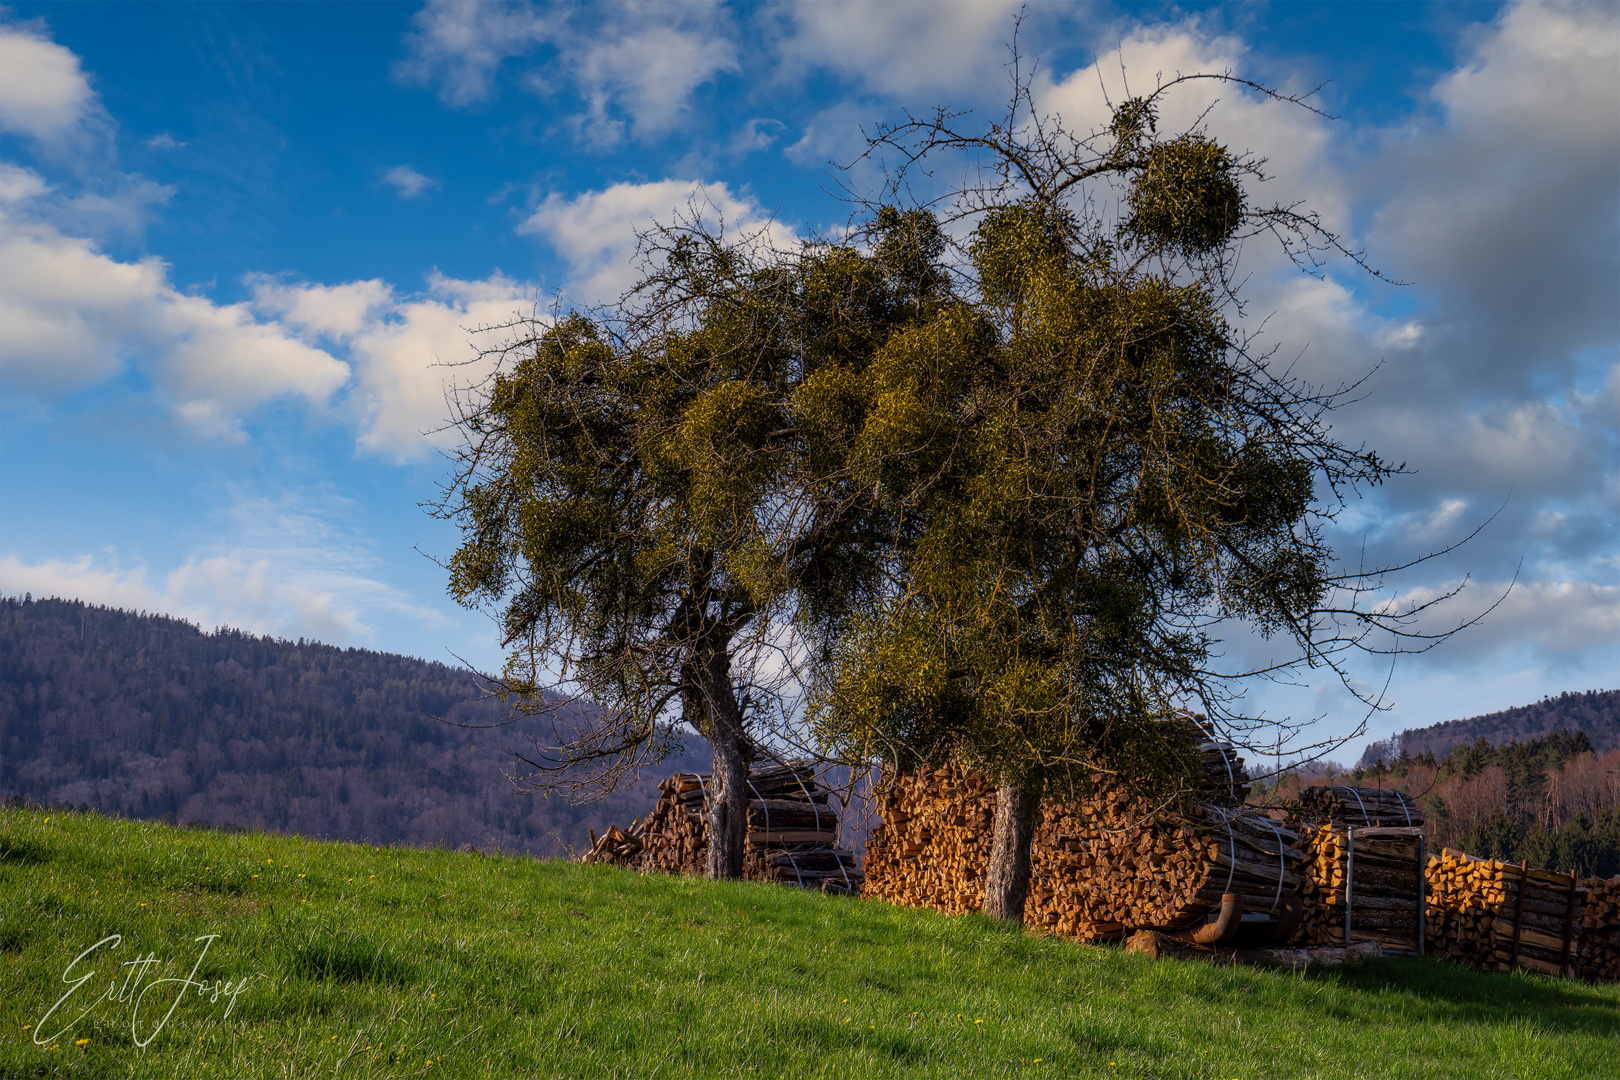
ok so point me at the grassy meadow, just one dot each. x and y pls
(344, 960)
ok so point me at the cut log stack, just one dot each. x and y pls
(1372, 875)
(1359, 807)
(1600, 930)
(1100, 865)
(1497, 916)
(792, 830)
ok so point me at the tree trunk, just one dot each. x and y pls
(1006, 885)
(728, 810)
(723, 727)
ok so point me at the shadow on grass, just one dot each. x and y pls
(827, 1037)
(21, 851)
(1488, 997)
(349, 958)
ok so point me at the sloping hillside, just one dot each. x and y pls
(144, 716)
(337, 960)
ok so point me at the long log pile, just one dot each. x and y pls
(792, 831)
(1360, 807)
(1100, 865)
(1373, 875)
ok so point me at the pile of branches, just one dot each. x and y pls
(792, 830)
(1100, 865)
(615, 846)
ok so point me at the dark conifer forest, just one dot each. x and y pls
(145, 716)
(1595, 712)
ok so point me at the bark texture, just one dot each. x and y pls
(1006, 884)
(709, 678)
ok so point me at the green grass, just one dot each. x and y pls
(377, 962)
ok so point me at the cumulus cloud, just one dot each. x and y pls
(71, 316)
(640, 76)
(1505, 208)
(409, 183)
(407, 352)
(43, 90)
(595, 232)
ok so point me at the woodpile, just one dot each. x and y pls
(792, 831)
(1359, 806)
(1495, 916)
(1100, 865)
(1364, 884)
(1600, 930)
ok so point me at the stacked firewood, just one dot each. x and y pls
(1373, 874)
(1495, 916)
(1600, 930)
(1359, 806)
(792, 830)
(1100, 865)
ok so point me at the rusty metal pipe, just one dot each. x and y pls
(1288, 920)
(1222, 929)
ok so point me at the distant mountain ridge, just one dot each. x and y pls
(145, 716)
(1596, 712)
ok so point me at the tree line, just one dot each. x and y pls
(1553, 801)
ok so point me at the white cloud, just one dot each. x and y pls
(596, 232)
(220, 591)
(71, 316)
(408, 182)
(43, 91)
(460, 46)
(908, 49)
(407, 352)
(290, 566)
(646, 69)
(18, 184)
(164, 141)
(629, 69)
(408, 362)
(1559, 620)
(335, 312)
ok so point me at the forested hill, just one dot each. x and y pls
(145, 716)
(1596, 712)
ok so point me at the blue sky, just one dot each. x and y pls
(242, 243)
